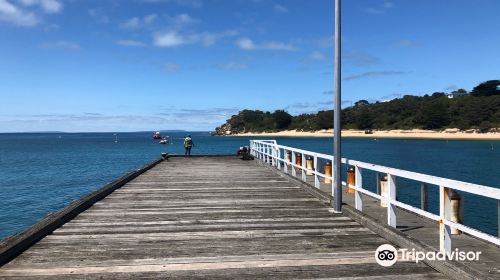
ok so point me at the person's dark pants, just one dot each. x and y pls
(188, 152)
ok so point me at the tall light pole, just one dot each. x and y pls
(337, 182)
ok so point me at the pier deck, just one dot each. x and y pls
(209, 217)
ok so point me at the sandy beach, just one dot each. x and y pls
(449, 134)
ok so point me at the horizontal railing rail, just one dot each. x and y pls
(287, 158)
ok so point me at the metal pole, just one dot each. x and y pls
(337, 187)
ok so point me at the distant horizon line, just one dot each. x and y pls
(70, 132)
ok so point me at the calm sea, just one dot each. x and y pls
(43, 172)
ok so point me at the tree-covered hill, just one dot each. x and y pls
(478, 109)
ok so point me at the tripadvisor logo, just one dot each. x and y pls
(387, 255)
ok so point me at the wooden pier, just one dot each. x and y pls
(207, 217)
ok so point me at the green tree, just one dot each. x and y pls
(487, 88)
(282, 119)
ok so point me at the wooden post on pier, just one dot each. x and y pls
(444, 213)
(351, 180)
(424, 197)
(328, 172)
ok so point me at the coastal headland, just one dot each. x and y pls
(448, 134)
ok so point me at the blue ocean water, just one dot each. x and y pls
(43, 172)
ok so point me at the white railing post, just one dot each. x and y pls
(391, 195)
(444, 213)
(268, 161)
(358, 199)
(265, 153)
(272, 152)
(303, 163)
(285, 156)
(316, 177)
(265, 149)
(277, 157)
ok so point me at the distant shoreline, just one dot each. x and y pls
(450, 134)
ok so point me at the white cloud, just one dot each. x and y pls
(48, 6)
(14, 15)
(137, 22)
(249, 44)
(280, 9)
(174, 39)
(168, 39)
(246, 44)
(186, 3)
(130, 43)
(182, 19)
(317, 56)
(131, 23)
(61, 44)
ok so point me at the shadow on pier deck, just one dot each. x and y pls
(209, 217)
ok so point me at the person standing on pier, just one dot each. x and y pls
(188, 144)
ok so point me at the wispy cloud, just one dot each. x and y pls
(174, 39)
(27, 12)
(380, 9)
(130, 43)
(406, 44)
(248, 44)
(61, 44)
(185, 3)
(373, 74)
(98, 15)
(233, 66)
(280, 9)
(316, 56)
(173, 118)
(168, 39)
(48, 6)
(309, 107)
(182, 19)
(137, 22)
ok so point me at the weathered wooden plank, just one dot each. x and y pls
(12, 246)
(204, 217)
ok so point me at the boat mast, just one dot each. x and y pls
(337, 183)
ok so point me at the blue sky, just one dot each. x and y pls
(190, 64)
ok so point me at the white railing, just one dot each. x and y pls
(278, 156)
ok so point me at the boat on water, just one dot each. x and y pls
(164, 140)
(157, 135)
